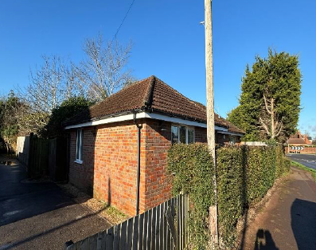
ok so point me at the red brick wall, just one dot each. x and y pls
(109, 168)
(222, 139)
(305, 150)
(200, 135)
(116, 166)
(158, 182)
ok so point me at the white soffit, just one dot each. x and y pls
(142, 115)
(180, 121)
(229, 133)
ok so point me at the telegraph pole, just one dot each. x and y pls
(213, 220)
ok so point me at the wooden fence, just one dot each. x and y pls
(162, 227)
(44, 157)
(38, 157)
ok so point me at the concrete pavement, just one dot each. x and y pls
(288, 221)
(39, 215)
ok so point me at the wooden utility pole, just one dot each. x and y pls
(213, 220)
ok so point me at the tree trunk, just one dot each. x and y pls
(272, 119)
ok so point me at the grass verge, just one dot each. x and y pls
(301, 166)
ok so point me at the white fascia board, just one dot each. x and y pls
(141, 115)
(121, 118)
(180, 121)
(229, 133)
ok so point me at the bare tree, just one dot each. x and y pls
(101, 74)
(50, 84)
(105, 69)
(269, 120)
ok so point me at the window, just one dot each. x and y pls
(79, 146)
(191, 136)
(233, 139)
(182, 134)
(174, 134)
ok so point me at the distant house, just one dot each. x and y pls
(132, 130)
(299, 143)
(299, 139)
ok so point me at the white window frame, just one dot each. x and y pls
(187, 128)
(79, 146)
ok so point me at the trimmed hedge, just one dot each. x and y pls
(231, 189)
(244, 175)
(193, 171)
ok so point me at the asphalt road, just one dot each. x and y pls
(39, 215)
(306, 160)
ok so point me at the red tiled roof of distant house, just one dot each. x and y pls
(296, 141)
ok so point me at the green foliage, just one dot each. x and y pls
(9, 129)
(193, 171)
(260, 172)
(66, 110)
(245, 174)
(277, 77)
(231, 189)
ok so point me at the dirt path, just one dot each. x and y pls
(288, 220)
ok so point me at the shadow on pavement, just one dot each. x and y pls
(20, 199)
(46, 232)
(264, 241)
(303, 222)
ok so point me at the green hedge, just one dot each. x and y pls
(231, 189)
(244, 175)
(193, 171)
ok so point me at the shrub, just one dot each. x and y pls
(231, 189)
(280, 162)
(244, 175)
(193, 171)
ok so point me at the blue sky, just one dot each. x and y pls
(168, 41)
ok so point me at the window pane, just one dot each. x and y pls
(80, 145)
(77, 145)
(183, 134)
(174, 134)
(190, 136)
(232, 139)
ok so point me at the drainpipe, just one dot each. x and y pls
(139, 127)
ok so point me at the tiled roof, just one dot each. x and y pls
(297, 141)
(151, 95)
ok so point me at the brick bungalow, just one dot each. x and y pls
(118, 148)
